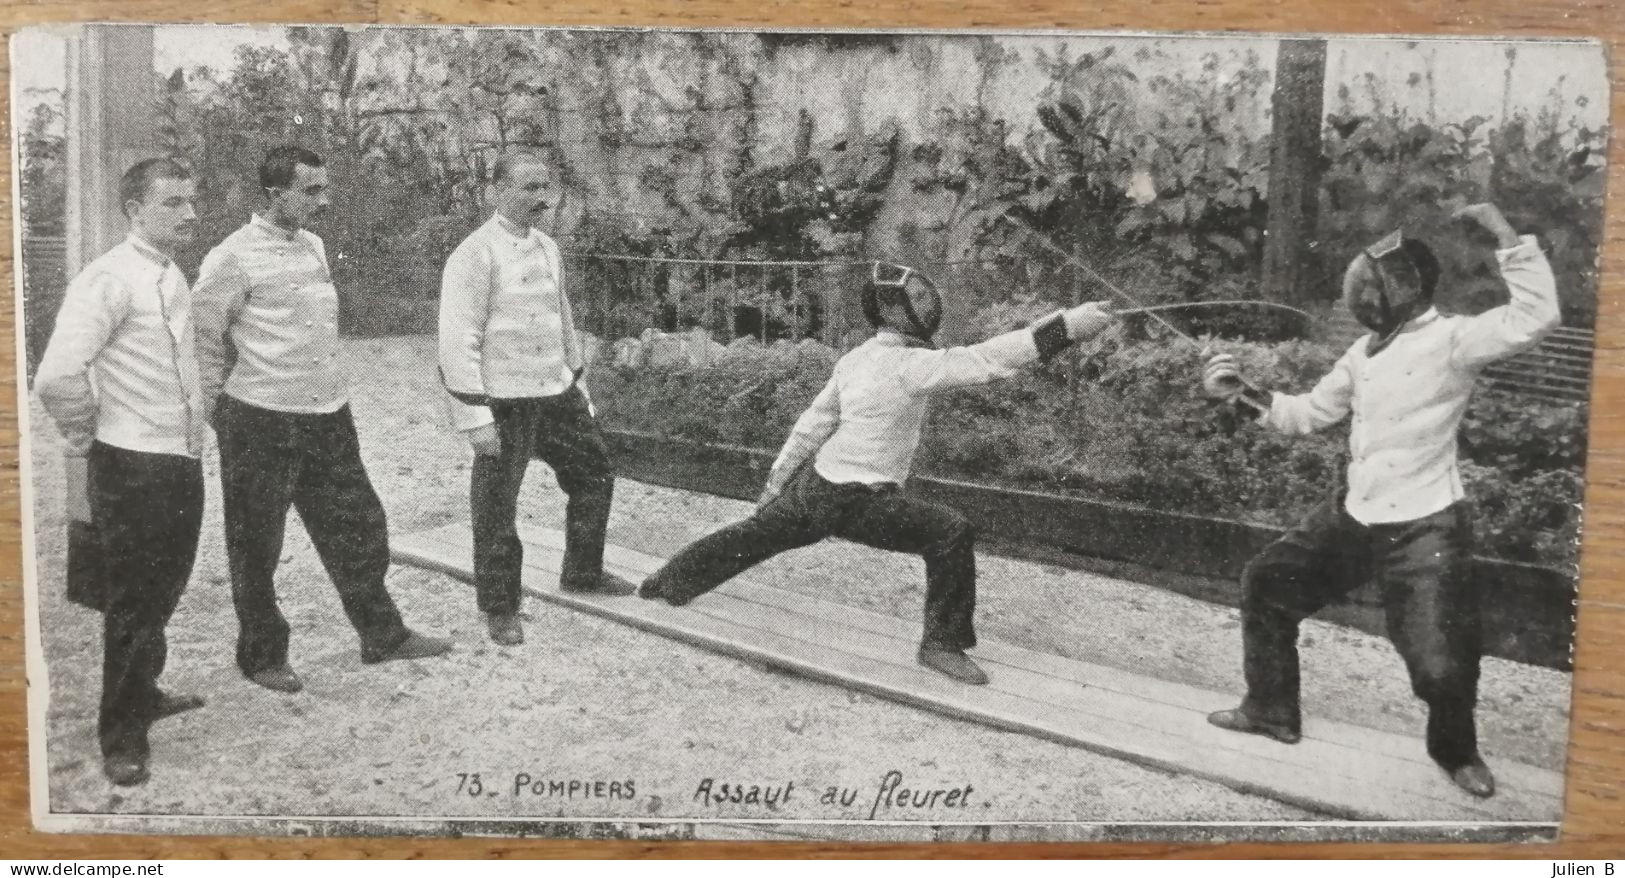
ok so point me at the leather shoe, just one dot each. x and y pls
(504, 628)
(1475, 778)
(169, 705)
(952, 663)
(1239, 720)
(415, 646)
(649, 591)
(280, 678)
(606, 583)
(125, 770)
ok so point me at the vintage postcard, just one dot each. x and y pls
(609, 433)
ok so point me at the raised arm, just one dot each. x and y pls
(1528, 317)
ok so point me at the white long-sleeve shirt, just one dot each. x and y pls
(506, 330)
(1408, 400)
(864, 426)
(266, 293)
(121, 365)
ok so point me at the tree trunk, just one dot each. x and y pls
(1291, 265)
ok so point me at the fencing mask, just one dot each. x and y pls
(1388, 285)
(912, 293)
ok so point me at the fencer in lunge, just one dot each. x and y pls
(841, 472)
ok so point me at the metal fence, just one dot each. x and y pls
(620, 296)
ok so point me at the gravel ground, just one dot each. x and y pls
(591, 700)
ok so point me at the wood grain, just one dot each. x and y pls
(1595, 807)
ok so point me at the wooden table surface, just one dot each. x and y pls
(1594, 825)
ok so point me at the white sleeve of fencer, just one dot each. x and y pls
(811, 431)
(1529, 316)
(1328, 403)
(1002, 356)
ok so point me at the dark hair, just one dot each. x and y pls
(1426, 264)
(276, 171)
(137, 181)
(503, 167)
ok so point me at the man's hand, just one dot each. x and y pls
(78, 444)
(1489, 218)
(485, 439)
(1221, 378)
(1087, 320)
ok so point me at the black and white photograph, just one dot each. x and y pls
(612, 433)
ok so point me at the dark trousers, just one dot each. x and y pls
(561, 432)
(1421, 568)
(270, 461)
(810, 509)
(148, 510)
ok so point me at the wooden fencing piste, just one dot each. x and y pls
(1341, 770)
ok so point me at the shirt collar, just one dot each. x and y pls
(1421, 320)
(271, 228)
(511, 229)
(148, 252)
(893, 339)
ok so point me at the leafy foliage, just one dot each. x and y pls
(1138, 430)
(1388, 171)
(43, 181)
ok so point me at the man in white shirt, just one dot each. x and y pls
(1403, 518)
(511, 358)
(268, 345)
(842, 470)
(119, 377)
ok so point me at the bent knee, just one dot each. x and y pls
(961, 529)
(1436, 676)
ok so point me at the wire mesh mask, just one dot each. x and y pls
(920, 302)
(1396, 297)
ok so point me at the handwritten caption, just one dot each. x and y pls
(892, 796)
(524, 785)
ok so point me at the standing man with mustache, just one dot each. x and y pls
(268, 350)
(119, 377)
(510, 354)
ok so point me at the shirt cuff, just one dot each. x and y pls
(1050, 337)
(1257, 404)
(1272, 413)
(582, 386)
(1528, 247)
(465, 417)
